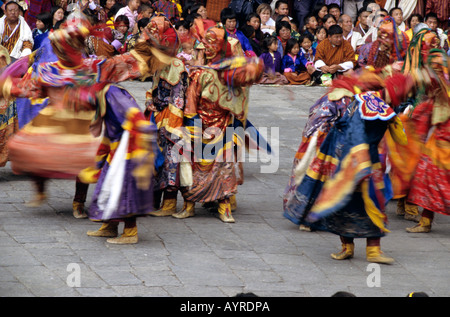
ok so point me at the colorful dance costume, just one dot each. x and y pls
(343, 189)
(63, 140)
(217, 99)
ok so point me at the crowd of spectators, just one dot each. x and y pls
(301, 42)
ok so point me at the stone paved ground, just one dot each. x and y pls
(201, 256)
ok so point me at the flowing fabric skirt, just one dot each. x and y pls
(55, 144)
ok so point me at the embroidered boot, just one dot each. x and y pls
(225, 212)
(78, 210)
(108, 229)
(346, 252)
(129, 236)
(375, 255)
(412, 212)
(187, 211)
(424, 226)
(168, 208)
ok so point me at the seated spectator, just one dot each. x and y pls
(145, 11)
(121, 32)
(334, 55)
(335, 10)
(272, 62)
(107, 5)
(130, 11)
(249, 33)
(17, 38)
(431, 19)
(414, 19)
(320, 10)
(307, 57)
(265, 13)
(397, 14)
(310, 25)
(57, 16)
(229, 22)
(43, 26)
(168, 8)
(255, 21)
(132, 39)
(345, 22)
(187, 52)
(307, 51)
(321, 34)
(291, 64)
(112, 14)
(283, 34)
(281, 8)
(294, 33)
(328, 20)
(362, 26)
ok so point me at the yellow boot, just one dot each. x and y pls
(78, 210)
(423, 226)
(225, 212)
(375, 255)
(108, 229)
(412, 212)
(129, 236)
(187, 211)
(168, 208)
(347, 252)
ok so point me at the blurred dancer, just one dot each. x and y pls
(217, 97)
(165, 107)
(63, 139)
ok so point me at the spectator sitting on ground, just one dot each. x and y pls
(334, 55)
(229, 21)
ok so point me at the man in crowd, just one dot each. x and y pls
(16, 35)
(334, 55)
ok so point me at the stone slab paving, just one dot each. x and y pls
(261, 253)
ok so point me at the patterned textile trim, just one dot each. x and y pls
(372, 107)
(355, 166)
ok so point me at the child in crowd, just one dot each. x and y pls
(310, 25)
(307, 56)
(145, 11)
(120, 32)
(272, 62)
(281, 8)
(249, 33)
(321, 34)
(187, 54)
(43, 26)
(267, 23)
(132, 40)
(292, 66)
